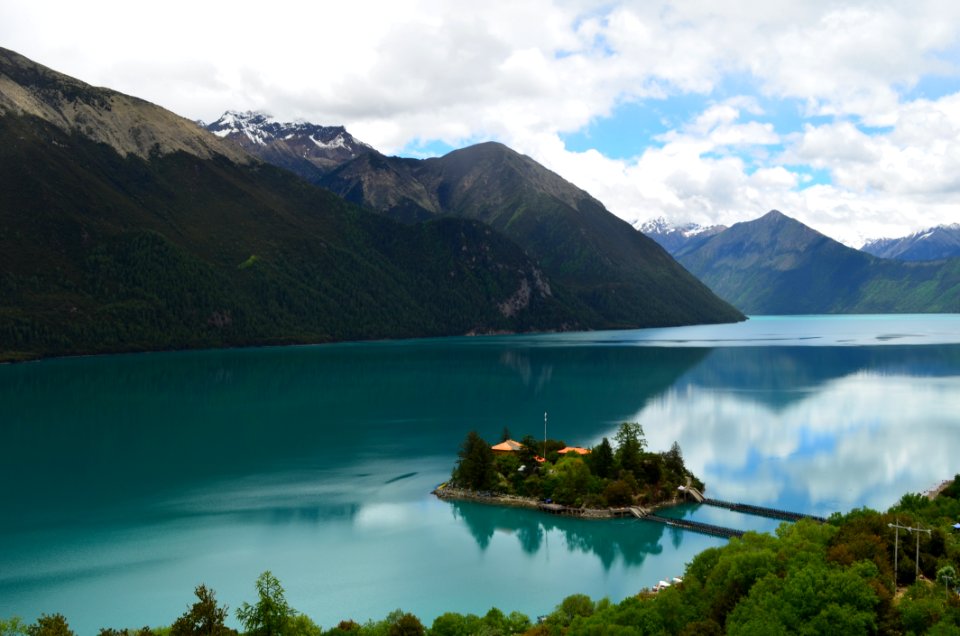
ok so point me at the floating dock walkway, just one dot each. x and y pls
(686, 524)
(760, 511)
(720, 531)
(749, 509)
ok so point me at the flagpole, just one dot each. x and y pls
(544, 435)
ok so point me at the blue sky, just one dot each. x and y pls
(843, 115)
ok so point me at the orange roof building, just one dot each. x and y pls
(574, 449)
(507, 446)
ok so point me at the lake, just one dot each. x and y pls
(128, 480)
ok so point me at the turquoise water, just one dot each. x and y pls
(128, 480)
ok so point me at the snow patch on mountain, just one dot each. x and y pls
(673, 237)
(305, 148)
(660, 225)
(262, 129)
(942, 241)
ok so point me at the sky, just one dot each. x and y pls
(844, 115)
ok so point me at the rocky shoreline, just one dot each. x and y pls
(446, 492)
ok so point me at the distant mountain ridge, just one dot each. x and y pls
(623, 277)
(619, 276)
(303, 148)
(777, 265)
(942, 241)
(675, 238)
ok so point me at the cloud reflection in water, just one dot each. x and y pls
(861, 439)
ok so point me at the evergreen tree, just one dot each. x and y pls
(531, 449)
(630, 448)
(475, 468)
(601, 460)
(673, 459)
(272, 615)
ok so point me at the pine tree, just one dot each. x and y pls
(630, 448)
(475, 468)
(601, 460)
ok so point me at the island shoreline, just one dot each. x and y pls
(446, 492)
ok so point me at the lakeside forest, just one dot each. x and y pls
(840, 577)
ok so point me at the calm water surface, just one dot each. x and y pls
(128, 480)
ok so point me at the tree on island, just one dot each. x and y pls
(475, 468)
(601, 460)
(630, 448)
(673, 458)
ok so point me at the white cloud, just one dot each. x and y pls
(526, 72)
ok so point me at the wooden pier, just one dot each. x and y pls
(760, 511)
(686, 524)
(720, 531)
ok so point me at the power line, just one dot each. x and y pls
(896, 545)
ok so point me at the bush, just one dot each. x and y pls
(618, 493)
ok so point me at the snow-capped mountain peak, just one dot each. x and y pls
(674, 238)
(300, 146)
(942, 241)
(658, 225)
(258, 127)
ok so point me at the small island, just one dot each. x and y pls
(600, 482)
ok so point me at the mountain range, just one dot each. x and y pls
(777, 265)
(942, 241)
(125, 227)
(620, 277)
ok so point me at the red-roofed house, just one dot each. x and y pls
(507, 446)
(574, 449)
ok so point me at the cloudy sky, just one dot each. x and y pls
(843, 115)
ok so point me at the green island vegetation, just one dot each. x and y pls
(808, 578)
(597, 478)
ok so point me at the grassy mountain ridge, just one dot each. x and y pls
(777, 265)
(128, 124)
(621, 275)
(101, 252)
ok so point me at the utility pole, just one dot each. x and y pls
(918, 531)
(896, 545)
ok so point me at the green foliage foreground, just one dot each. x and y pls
(809, 578)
